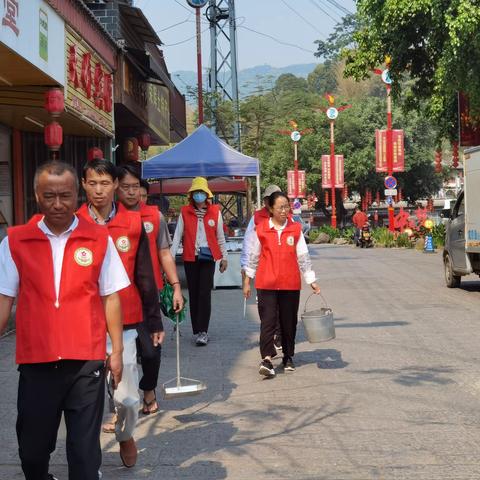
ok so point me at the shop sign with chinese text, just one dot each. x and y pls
(33, 30)
(327, 172)
(381, 150)
(89, 83)
(302, 189)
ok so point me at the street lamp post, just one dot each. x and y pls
(332, 114)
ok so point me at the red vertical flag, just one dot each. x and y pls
(381, 150)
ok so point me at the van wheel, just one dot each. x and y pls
(452, 280)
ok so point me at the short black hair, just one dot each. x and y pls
(127, 169)
(144, 184)
(274, 196)
(55, 167)
(102, 167)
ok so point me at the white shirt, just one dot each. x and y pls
(112, 278)
(201, 239)
(248, 242)
(303, 257)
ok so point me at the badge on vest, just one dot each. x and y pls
(123, 244)
(83, 257)
(211, 222)
(148, 227)
(290, 240)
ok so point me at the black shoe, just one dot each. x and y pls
(266, 369)
(288, 364)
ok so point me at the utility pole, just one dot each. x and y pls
(223, 62)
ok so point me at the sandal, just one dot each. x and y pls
(109, 427)
(147, 406)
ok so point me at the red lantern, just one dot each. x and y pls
(345, 192)
(131, 149)
(400, 194)
(438, 161)
(455, 154)
(53, 136)
(377, 197)
(54, 102)
(144, 141)
(326, 198)
(94, 153)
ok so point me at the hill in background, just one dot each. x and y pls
(250, 80)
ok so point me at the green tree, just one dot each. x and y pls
(434, 43)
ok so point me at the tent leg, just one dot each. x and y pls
(259, 205)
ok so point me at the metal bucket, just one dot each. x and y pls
(318, 324)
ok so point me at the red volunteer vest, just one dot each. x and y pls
(278, 265)
(190, 222)
(261, 214)
(151, 222)
(125, 229)
(75, 327)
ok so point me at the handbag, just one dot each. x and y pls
(204, 254)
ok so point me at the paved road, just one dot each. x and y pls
(394, 396)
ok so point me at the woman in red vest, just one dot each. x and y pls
(277, 257)
(200, 229)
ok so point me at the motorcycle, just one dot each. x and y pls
(364, 237)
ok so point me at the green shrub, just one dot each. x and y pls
(438, 235)
(347, 233)
(330, 231)
(383, 237)
(313, 234)
(403, 241)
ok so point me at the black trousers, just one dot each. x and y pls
(45, 390)
(278, 306)
(150, 358)
(200, 283)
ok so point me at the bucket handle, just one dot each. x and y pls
(310, 296)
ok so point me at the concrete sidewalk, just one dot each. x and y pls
(394, 396)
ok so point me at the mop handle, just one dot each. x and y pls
(310, 296)
(178, 351)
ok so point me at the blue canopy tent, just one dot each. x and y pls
(202, 154)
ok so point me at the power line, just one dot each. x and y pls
(184, 41)
(302, 17)
(183, 6)
(346, 11)
(314, 3)
(174, 25)
(277, 40)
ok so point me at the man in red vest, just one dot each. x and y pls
(128, 193)
(139, 301)
(65, 273)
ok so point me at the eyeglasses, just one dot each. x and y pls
(283, 208)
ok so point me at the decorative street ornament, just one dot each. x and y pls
(94, 153)
(296, 136)
(131, 149)
(386, 79)
(454, 154)
(197, 3)
(332, 113)
(438, 161)
(302, 186)
(339, 172)
(398, 164)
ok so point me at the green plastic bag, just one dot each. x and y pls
(166, 304)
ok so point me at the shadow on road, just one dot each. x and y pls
(328, 358)
(415, 376)
(373, 324)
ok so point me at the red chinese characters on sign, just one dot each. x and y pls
(327, 175)
(381, 150)
(469, 125)
(11, 15)
(301, 184)
(101, 80)
(86, 75)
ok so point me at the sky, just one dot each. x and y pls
(296, 22)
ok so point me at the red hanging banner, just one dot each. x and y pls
(339, 172)
(381, 150)
(469, 126)
(302, 190)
